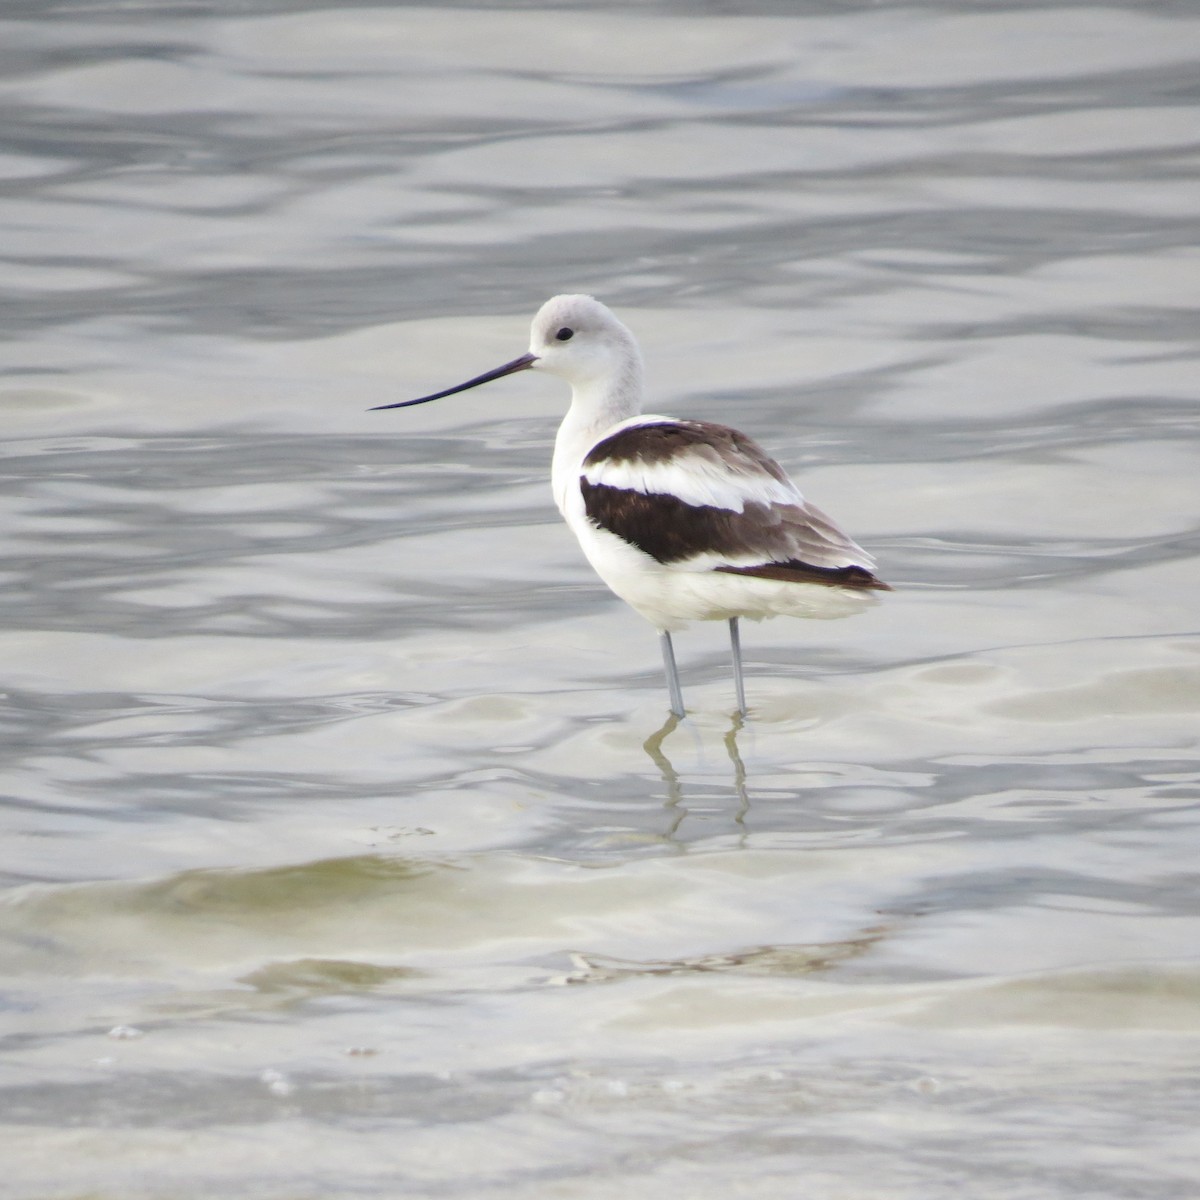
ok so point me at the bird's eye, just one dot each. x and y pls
(565, 334)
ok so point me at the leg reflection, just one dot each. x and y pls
(739, 768)
(676, 798)
(653, 746)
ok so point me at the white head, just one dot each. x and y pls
(580, 340)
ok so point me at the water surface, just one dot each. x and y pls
(346, 846)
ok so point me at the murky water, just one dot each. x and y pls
(345, 849)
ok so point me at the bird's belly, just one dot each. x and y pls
(669, 595)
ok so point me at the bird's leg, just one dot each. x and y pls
(735, 644)
(673, 688)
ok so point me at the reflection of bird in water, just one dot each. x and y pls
(684, 520)
(653, 746)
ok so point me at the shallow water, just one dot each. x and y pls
(345, 848)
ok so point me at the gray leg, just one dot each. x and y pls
(735, 643)
(673, 688)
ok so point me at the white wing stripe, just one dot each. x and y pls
(696, 480)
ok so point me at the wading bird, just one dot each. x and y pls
(684, 520)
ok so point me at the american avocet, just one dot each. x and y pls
(684, 520)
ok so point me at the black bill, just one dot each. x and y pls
(518, 364)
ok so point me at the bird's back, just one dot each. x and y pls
(696, 518)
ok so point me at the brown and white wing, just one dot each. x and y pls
(700, 496)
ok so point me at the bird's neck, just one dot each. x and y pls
(596, 406)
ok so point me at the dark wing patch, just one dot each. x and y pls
(659, 524)
(669, 530)
(798, 572)
(660, 443)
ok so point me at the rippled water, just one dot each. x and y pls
(345, 849)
